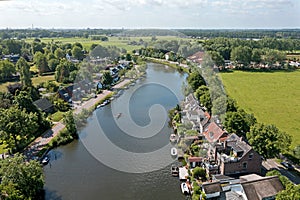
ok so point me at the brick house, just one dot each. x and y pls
(235, 156)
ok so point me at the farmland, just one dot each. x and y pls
(273, 97)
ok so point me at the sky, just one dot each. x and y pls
(202, 14)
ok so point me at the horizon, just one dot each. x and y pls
(150, 14)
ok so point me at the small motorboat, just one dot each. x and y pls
(45, 160)
(174, 170)
(118, 115)
(184, 189)
(173, 151)
(173, 138)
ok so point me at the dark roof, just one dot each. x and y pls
(222, 177)
(43, 104)
(262, 188)
(237, 144)
(210, 188)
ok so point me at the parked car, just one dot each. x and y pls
(289, 166)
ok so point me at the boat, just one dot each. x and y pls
(173, 151)
(118, 115)
(45, 160)
(184, 189)
(174, 170)
(173, 138)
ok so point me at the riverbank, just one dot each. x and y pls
(52, 138)
(179, 66)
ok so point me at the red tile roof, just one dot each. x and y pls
(197, 57)
(195, 159)
(214, 133)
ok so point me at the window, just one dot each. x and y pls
(244, 165)
(250, 156)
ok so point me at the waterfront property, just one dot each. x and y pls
(235, 156)
(245, 188)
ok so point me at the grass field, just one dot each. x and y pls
(35, 81)
(273, 97)
(121, 42)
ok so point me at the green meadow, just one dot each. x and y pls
(121, 42)
(273, 97)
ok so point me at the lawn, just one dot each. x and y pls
(56, 117)
(273, 97)
(35, 81)
(121, 42)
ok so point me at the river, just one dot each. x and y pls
(124, 150)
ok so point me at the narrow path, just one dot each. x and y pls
(39, 143)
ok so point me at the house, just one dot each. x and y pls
(235, 156)
(12, 58)
(193, 113)
(197, 57)
(45, 105)
(214, 133)
(250, 187)
(212, 190)
(194, 161)
(262, 188)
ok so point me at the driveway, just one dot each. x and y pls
(271, 164)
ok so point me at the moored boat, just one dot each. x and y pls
(173, 151)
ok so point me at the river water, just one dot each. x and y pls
(124, 150)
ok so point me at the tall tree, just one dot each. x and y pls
(195, 80)
(107, 79)
(16, 126)
(6, 69)
(77, 53)
(239, 122)
(241, 55)
(268, 140)
(19, 179)
(41, 62)
(59, 53)
(25, 74)
(70, 124)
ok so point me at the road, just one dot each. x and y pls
(39, 143)
(271, 164)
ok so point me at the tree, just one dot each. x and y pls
(70, 124)
(290, 192)
(24, 101)
(16, 126)
(6, 69)
(296, 151)
(59, 53)
(217, 58)
(107, 79)
(19, 179)
(195, 80)
(63, 71)
(241, 55)
(77, 53)
(199, 172)
(53, 64)
(41, 62)
(268, 140)
(256, 55)
(239, 122)
(231, 105)
(25, 74)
